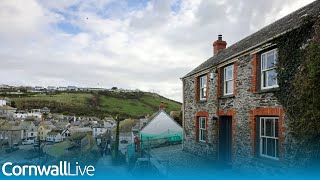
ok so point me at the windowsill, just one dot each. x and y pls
(202, 101)
(274, 89)
(202, 142)
(268, 161)
(227, 96)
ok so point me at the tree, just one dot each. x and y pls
(13, 104)
(115, 155)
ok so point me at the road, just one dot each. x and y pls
(105, 165)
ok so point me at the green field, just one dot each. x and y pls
(127, 105)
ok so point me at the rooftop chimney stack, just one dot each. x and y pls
(162, 105)
(219, 45)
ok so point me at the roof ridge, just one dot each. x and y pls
(264, 34)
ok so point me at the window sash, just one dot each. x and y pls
(202, 129)
(203, 87)
(265, 70)
(269, 137)
(227, 90)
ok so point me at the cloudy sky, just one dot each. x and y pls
(134, 44)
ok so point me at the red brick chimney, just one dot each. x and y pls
(219, 45)
(162, 105)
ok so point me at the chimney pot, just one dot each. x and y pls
(219, 45)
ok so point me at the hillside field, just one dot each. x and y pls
(100, 104)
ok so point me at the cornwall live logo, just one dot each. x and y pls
(63, 169)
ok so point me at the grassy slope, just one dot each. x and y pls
(98, 104)
(64, 102)
(141, 106)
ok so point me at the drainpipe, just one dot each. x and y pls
(218, 118)
(183, 111)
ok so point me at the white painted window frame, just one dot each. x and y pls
(268, 137)
(225, 80)
(202, 129)
(203, 87)
(263, 71)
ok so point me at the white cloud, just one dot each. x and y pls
(114, 43)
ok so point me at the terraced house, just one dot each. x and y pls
(230, 112)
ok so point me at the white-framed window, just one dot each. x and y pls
(269, 140)
(203, 87)
(202, 129)
(228, 80)
(268, 69)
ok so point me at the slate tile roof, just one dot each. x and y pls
(281, 26)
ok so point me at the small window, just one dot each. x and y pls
(269, 141)
(203, 87)
(228, 80)
(202, 129)
(268, 69)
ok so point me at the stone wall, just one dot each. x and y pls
(241, 105)
(191, 107)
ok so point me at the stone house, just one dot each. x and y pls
(230, 112)
(62, 88)
(98, 129)
(45, 110)
(65, 133)
(20, 114)
(3, 102)
(29, 130)
(11, 132)
(44, 128)
(54, 136)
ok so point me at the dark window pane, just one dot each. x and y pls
(263, 146)
(263, 59)
(277, 148)
(262, 127)
(269, 127)
(203, 123)
(276, 128)
(269, 147)
(264, 80)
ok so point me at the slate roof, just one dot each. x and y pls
(54, 133)
(281, 26)
(10, 126)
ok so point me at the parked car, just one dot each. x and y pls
(28, 141)
(124, 141)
